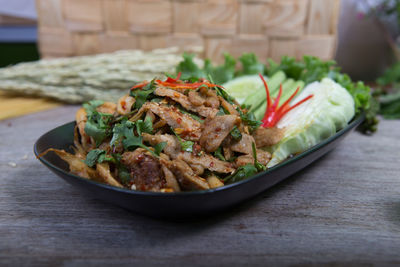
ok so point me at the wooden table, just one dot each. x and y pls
(344, 209)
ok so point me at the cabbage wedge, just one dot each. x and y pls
(329, 110)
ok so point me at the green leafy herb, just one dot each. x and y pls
(145, 126)
(97, 156)
(123, 174)
(185, 145)
(218, 154)
(236, 134)
(251, 65)
(241, 173)
(98, 125)
(159, 147)
(223, 73)
(121, 130)
(143, 94)
(249, 119)
(188, 68)
(257, 164)
(92, 156)
(90, 107)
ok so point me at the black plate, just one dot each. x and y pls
(181, 204)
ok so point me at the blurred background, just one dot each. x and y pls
(361, 35)
(355, 35)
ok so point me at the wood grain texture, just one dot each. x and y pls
(342, 210)
(13, 106)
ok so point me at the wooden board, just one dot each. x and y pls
(344, 210)
(13, 106)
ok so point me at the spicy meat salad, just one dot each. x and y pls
(169, 136)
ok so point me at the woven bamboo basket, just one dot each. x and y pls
(269, 28)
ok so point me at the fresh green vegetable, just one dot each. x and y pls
(235, 133)
(388, 94)
(241, 173)
(143, 94)
(250, 65)
(314, 69)
(98, 124)
(243, 86)
(256, 99)
(223, 73)
(185, 145)
(329, 110)
(97, 156)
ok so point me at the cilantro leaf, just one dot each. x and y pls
(145, 126)
(92, 156)
(218, 154)
(223, 73)
(250, 64)
(143, 94)
(241, 173)
(123, 174)
(189, 68)
(257, 164)
(159, 147)
(90, 107)
(98, 126)
(236, 134)
(185, 145)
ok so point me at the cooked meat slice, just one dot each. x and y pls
(170, 179)
(207, 161)
(267, 136)
(211, 98)
(227, 153)
(125, 104)
(243, 160)
(185, 102)
(86, 140)
(76, 165)
(176, 119)
(231, 109)
(104, 171)
(186, 177)
(244, 145)
(195, 98)
(214, 182)
(145, 170)
(263, 157)
(197, 168)
(173, 147)
(215, 130)
(107, 107)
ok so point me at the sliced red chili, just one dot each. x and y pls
(273, 113)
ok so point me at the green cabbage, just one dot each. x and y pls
(329, 110)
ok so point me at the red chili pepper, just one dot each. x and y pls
(273, 113)
(140, 85)
(177, 84)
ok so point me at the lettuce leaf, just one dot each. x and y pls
(329, 110)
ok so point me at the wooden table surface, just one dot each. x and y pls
(342, 210)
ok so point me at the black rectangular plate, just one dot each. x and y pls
(182, 204)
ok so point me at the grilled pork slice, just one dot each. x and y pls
(268, 136)
(207, 161)
(186, 177)
(190, 128)
(185, 102)
(263, 157)
(244, 145)
(173, 147)
(216, 129)
(145, 170)
(170, 179)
